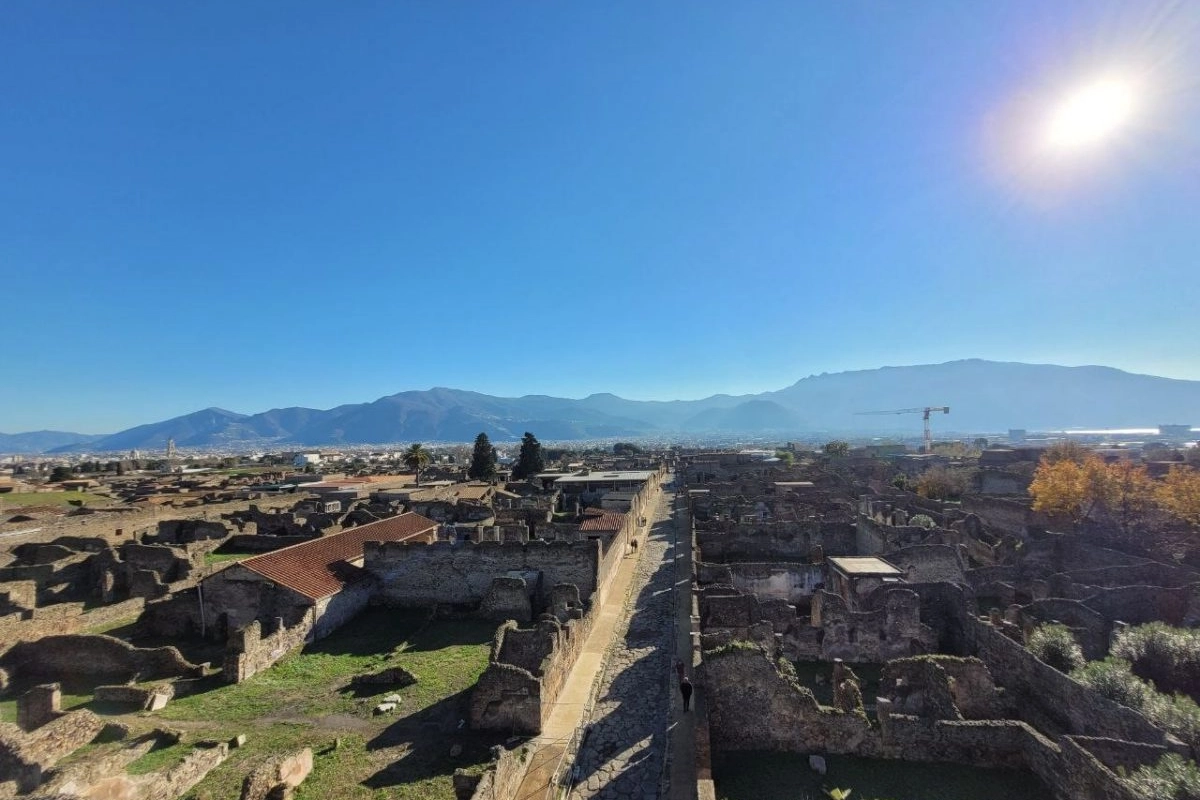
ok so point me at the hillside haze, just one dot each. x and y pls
(982, 395)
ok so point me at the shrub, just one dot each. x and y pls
(1056, 646)
(923, 521)
(1170, 657)
(1176, 713)
(1111, 678)
(1172, 778)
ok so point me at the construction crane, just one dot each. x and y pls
(926, 411)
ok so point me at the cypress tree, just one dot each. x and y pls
(483, 459)
(530, 461)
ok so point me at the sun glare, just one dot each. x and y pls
(1091, 114)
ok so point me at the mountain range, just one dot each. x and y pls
(983, 396)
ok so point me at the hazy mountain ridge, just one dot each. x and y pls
(982, 395)
(41, 441)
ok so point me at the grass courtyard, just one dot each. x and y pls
(306, 700)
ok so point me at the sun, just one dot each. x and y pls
(1091, 114)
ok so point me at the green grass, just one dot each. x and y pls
(306, 700)
(786, 776)
(15, 500)
(70, 702)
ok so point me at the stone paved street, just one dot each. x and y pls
(622, 756)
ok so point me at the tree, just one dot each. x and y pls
(939, 483)
(1179, 494)
(1062, 485)
(483, 459)
(837, 448)
(786, 456)
(1086, 488)
(415, 458)
(61, 474)
(626, 449)
(1127, 493)
(1066, 450)
(530, 461)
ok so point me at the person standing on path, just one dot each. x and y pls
(685, 689)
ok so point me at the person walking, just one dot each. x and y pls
(685, 689)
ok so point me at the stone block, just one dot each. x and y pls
(39, 705)
(279, 777)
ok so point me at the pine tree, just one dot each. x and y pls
(530, 461)
(483, 460)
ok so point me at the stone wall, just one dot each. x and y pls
(944, 606)
(753, 706)
(930, 563)
(24, 758)
(63, 618)
(1067, 552)
(250, 652)
(1147, 574)
(1137, 605)
(1008, 515)
(792, 582)
(182, 531)
(499, 781)
(893, 631)
(81, 660)
(1091, 629)
(261, 543)
(170, 563)
(507, 598)
(941, 687)
(875, 538)
(1051, 700)
(780, 541)
(237, 596)
(424, 575)
(527, 669)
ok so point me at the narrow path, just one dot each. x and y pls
(549, 748)
(624, 751)
(683, 725)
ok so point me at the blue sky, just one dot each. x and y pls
(254, 205)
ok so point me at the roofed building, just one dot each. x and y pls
(324, 574)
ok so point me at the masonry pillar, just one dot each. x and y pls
(39, 705)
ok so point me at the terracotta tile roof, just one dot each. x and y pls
(608, 521)
(313, 568)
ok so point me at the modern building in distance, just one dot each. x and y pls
(1175, 431)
